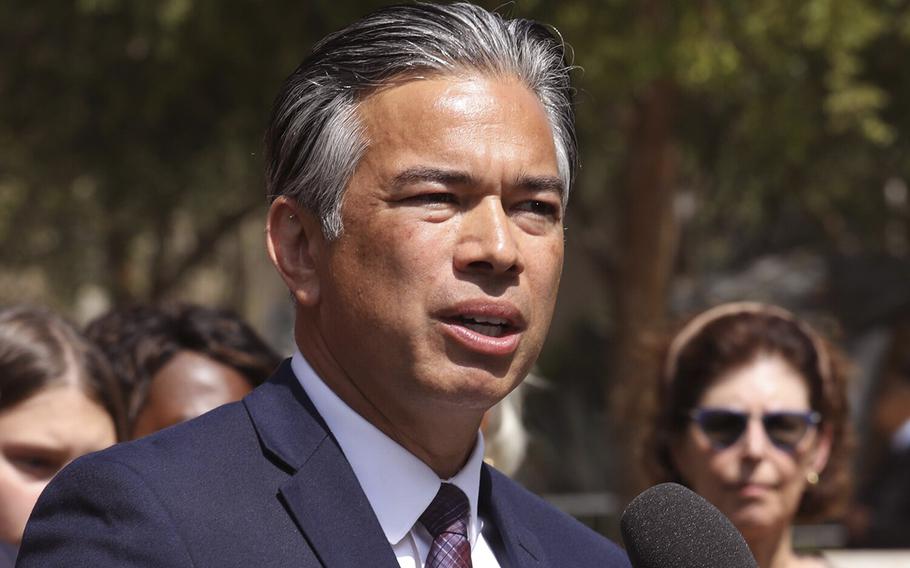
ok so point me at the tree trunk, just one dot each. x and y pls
(647, 241)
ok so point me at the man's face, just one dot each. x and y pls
(440, 291)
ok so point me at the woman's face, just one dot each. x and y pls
(756, 483)
(38, 437)
(189, 385)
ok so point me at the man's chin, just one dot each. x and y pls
(488, 367)
(472, 388)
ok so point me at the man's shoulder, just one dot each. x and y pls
(197, 438)
(562, 537)
(187, 455)
(220, 456)
(7, 555)
(124, 500)
(203, 489)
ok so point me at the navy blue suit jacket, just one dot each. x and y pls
(7, 555)
(261, 483)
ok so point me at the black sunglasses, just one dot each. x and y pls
(723, 427)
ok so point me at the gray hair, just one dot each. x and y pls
(315, 139)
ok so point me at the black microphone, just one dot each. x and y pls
(670, 526)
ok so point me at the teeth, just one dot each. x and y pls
(491, 330)
(487, 320)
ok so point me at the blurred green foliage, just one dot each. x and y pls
(117, 119)
(783, 111)
(120, 118)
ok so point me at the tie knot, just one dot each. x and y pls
(447, 513)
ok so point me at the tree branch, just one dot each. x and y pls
(206, 244)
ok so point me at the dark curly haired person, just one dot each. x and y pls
(177, 362)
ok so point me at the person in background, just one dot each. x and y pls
(751, 413)
(58, 401)
(881, 518)
(177, 362)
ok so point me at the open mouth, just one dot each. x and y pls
(484, 325)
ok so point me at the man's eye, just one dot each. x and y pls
(537, 207)
(433, 198)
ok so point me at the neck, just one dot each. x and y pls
(444, 446)
(438, 434)
(772, 548)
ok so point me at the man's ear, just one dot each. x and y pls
(295, 242)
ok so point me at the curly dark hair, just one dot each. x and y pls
(39, 349)
(730, 336)
(139, 340)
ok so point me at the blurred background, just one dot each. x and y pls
(730, 149)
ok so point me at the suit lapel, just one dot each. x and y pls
(345, 531)
(323, 495)
(517, 546)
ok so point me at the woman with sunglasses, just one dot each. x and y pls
(751, 414)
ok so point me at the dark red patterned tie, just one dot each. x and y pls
(447, 521)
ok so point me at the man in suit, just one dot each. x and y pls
(7, 555)
(418, 164)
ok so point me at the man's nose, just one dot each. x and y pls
(487, 241)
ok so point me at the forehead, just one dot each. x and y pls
(189, 375)
(489, 117)
(767, 382)
(59, 413)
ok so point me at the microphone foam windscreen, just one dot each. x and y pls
(670, 526)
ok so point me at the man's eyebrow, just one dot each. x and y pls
(423, 174)
(542, 184)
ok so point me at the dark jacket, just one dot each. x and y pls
(261, 483)
(7, 555)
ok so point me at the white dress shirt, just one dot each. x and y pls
(397, 484)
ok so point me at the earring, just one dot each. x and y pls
(812, 477)
(291, 217)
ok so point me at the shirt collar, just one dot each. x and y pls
(398, 485)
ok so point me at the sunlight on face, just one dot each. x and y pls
(452, 249)
(188, 386)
